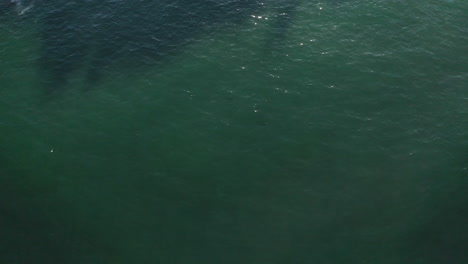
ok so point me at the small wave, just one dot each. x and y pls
(21, 8)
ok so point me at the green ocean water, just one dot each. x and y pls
(338, 135)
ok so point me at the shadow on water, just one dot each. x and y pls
(94, 35)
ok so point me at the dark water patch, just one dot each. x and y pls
(98, 34)
(6, 6)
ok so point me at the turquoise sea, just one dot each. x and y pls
(233, 131)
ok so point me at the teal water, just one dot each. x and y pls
(234, 132)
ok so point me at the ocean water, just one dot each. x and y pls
(234, 131)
